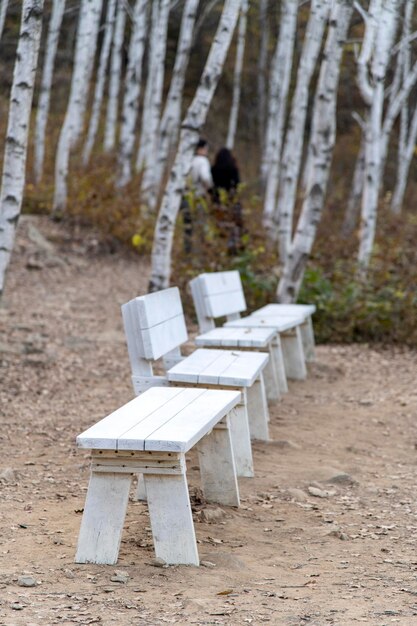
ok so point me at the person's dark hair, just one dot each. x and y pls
(202, 143)
(224, 158)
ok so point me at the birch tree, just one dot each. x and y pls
(293, 146)
(156, 61)
(133, 81)
(373, 91)
(262, 70)
(42, 111)
(114, 83)
(100, 81)
(14, 162)
(237, 78)
(74, 118)
(279, 85)
(3, 10)
(190, 129)
(171, 118)
(148, 191)
(322, 140)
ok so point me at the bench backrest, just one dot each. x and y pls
(154, 325)
(218, 294)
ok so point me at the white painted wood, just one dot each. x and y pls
(293, 353)
(171, 519)
(217, 467)
(219, 367)
(240, 434)
(105, 434)
(154, 308)
(236, 337)
(258, 410)
(271, 379)
(103, 518)
(164, 337)
(307, 337)
(304, 310)
(222, 293)
(277, 355)
(280, 323)
(205, 322)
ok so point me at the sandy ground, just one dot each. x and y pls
(327, 529)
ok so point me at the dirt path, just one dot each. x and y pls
(327, 530)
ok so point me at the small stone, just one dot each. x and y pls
(157, 562)
(319, 493)
(207, 564)
(69, 573)
(342, 479)
(8, 475)
(17, 607)
(26, 581)
(120, 577)
(339, 535)
(297, 494)
(212, 515)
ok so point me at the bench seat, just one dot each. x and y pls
(289, 328)
(260, 339)
(306, 311)
(150, 435)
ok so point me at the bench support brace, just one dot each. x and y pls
(292, 348)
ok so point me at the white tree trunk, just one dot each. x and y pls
(262, 70)
(171, 118)
(405, 157)
(148, 190)
(132, 93)
(42, 112)
(373, 159)
(74, 118)
(156, 57)
(114, 83)
(279, 85)
(3, 11)
(191, 126)
(14, 163)
(293, 147)
(353, 204)
(100, 81)
(237, 78)
(322, 140)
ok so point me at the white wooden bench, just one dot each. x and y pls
(150, 435)
(307, 331)
(220, 294)
(258, 339)
(155, 327)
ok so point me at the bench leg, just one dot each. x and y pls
(292, 348)
(241, 444)
(277, 355)
(271, 379)
(171, 519)
(258, 410)
(217, 466)
(307, 336)
(140, 493)
(103, 518)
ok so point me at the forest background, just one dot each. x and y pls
(378, 306)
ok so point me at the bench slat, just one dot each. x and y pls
(158, 307)
(105, 433)
(280, 323)
(222, 293)
(286, 309)
(236, 336)
(219, 367)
